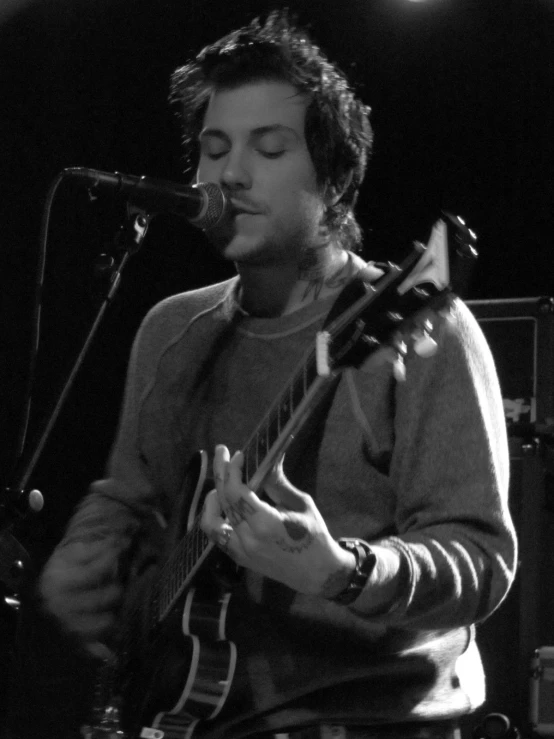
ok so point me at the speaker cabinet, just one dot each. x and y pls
(520, 333)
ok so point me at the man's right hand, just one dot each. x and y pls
(79, 586)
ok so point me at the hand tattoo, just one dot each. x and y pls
(298, 532)
(238, 511)
(286, 546)
(295, 529)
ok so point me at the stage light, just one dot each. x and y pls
(11, 7)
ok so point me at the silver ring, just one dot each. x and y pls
(225, 537)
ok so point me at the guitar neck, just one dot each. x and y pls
(303, 392)
(285, 418)
(265, 447)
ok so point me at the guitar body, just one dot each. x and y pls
(178, 671)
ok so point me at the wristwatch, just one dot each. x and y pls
(365, 562)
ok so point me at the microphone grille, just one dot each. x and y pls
(214, 207)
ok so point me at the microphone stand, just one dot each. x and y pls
(15, 500)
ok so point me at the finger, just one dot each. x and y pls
(222, 537)
(234, 472)
(85, 552)
(212, 514)
(100, 651)
(283, 493)
(220, 471)
(61, 574)
(241, 502)
(100, 600)
(232, 493)
(221, 460)
(90, 627)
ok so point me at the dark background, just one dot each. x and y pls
(463, 110)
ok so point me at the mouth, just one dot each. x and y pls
(238, 208)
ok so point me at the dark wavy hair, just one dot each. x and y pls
(338, 132)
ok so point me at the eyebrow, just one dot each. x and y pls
(254, 133)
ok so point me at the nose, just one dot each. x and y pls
(236, 174)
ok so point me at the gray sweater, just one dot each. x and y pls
(420, 466)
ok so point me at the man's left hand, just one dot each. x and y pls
(288, 542)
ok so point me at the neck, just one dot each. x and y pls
(276, 290)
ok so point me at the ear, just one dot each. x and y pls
(334, 193)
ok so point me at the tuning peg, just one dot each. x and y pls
(371, 341)
(424, 344)
(399, 368)
(398, 364)
(13, 602)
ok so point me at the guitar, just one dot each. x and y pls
(175, 664)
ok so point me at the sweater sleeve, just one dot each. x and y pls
(130, 498)
(450, 470)
(118, 504)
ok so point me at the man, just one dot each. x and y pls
(332, 635)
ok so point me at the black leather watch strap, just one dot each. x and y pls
(365, 563)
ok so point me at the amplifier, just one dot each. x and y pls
(520, 332)
(542, 692)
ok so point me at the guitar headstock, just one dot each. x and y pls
(397, 311)
(448, 258)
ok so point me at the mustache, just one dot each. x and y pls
(241, 203)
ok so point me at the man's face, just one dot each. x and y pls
(253, 144)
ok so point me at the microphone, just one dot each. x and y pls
(203, 204)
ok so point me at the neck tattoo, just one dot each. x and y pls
(320, 277)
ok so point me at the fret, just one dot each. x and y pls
(261, 446)
(311, 372)
(246, 466)
(171, 582)
(290, 399)
(250, 455)
(298, 393)
(273, 428)
(283, 412)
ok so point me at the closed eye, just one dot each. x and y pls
(271, 154)
(215, 156)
